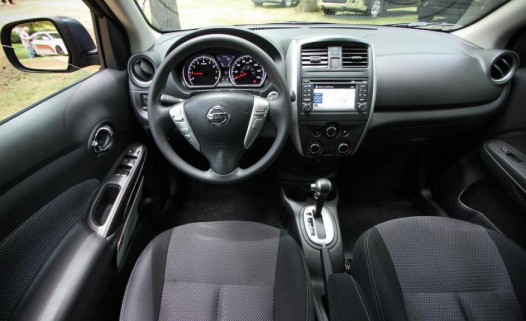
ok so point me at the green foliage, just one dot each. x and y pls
(33, 27)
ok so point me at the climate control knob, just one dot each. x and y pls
(331, 131)
(343, 148)
(314, 148)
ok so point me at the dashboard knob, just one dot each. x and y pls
(362, 107)
(307, 107)
(343, 148)
(331, 131)
(314, 148)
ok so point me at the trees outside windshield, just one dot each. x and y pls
(167, 15)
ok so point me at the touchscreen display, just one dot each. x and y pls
(333, 96)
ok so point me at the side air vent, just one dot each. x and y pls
(141, 70)
(354, 57)
(315, 57)
(503, 68)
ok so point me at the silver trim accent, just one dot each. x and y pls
(192, 59)
(511, 72)
(292, 79)
(254, 86)
(218, 116)
(125, 185)
(257, 120)
(183, 126)
(132, 75)
(98, 148)
(326, 218)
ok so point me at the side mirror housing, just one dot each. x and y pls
(55, 44)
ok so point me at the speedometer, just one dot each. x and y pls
(247, 72)
(202, 71)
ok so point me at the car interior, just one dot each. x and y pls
(279, 171)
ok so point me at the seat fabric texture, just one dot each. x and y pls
(228, 270)
(432, 268)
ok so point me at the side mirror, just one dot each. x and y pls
(57, 44)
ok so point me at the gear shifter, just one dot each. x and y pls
(321, 188)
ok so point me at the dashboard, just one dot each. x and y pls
(352, 86)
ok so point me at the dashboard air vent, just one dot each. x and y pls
(354, 57)
(141, 70)
(503, 68)
(315, 57)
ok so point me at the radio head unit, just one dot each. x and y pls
(334, 95)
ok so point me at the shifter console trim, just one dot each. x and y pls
(310, 226)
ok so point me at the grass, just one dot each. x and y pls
(20, 51)
(20, 89)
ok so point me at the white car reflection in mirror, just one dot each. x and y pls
(46, 43)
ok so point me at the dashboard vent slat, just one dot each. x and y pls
(503, 68)
(355, 57)
(315, 57)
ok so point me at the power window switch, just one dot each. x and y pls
(128, 162)
(134, 152)
(123, 172)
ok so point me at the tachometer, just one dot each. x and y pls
(202, 71)
(247, 72)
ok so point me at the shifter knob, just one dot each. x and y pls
(321, 188)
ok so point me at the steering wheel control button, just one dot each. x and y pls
(258, 123)
(176, 114)
(257, 120)
(179, 118)
(218, 116)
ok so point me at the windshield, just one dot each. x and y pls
(447, 15)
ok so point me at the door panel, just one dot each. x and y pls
(49, 177)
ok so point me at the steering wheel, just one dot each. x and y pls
(221, 125)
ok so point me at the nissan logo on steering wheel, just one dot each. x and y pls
(218, 116)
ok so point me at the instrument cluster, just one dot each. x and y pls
(223, 69)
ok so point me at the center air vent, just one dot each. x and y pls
(503, 68)
(141, 70)
(354, 57)
(315, 57)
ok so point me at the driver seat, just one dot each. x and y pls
(229, 270)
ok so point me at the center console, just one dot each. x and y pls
(335, 86)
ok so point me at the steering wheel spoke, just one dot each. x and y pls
(258, 117)
(180, 121)
(221, 125)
